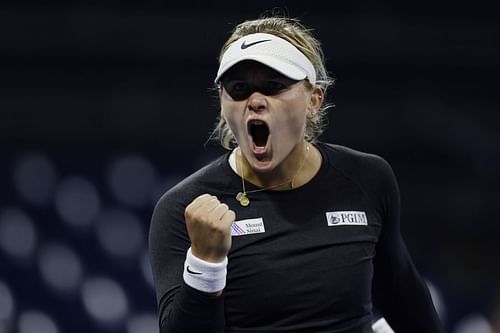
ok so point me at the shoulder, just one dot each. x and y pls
(354, 162)
(370, 172)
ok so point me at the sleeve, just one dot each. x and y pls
(399, 292)
(182, 309)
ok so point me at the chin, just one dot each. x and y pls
(262, 165)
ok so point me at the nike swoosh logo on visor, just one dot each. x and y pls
(244, 45)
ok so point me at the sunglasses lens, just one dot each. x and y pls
(240, 90)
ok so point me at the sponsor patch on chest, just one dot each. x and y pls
(347, 217)
(248, 227)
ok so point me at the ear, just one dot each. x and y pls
(315, 100)
(219, 92)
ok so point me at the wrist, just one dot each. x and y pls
(212, 258)
(205, 276)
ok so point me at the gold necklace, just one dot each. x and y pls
(242, 197)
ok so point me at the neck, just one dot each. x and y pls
(296, 170)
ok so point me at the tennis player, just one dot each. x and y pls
(284, 232)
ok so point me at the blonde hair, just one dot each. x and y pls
(301, 37)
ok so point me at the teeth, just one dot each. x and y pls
(257, 122)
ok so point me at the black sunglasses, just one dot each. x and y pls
(242, 89)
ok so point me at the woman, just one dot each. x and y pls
(283, 233)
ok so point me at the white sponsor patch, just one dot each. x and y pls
(347, 217)
(248, 227)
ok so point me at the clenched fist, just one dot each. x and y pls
(208, 223)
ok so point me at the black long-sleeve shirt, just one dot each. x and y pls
(312, 259)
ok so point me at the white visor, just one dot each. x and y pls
(272, 51)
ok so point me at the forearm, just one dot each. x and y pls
(402, 295)
(193, 311)
(407, 305)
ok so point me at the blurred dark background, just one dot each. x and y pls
(105, 104)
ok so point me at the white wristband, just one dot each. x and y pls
(203, 275)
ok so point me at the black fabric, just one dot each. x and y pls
(300, 275)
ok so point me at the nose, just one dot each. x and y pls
(257, 102)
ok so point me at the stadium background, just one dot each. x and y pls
(105, 104)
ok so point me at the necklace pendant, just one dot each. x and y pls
(243, 199)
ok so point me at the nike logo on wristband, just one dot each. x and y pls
(192, 272)
(244, 46)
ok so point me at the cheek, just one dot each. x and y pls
(229, 114)
(295, 117)
(290, 125)
(297, 122)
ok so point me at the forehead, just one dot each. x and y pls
(249, 69)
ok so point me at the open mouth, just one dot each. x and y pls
(259, 132)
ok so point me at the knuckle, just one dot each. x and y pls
(205, 220)
(213, 215)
